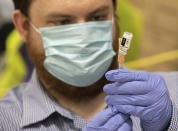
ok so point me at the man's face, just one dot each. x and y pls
(45, 13)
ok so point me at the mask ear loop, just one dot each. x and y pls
(113, 19)
(33, 26)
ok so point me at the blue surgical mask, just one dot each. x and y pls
(78, 54)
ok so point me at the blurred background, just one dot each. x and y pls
(159, 42)
(154, 46)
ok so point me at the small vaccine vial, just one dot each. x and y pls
(124, 45)
(126, 42)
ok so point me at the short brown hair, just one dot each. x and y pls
(24, 5)
(114, 2)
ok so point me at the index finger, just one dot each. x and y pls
(124, 75)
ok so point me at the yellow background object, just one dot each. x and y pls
(152, 60)
(15, 69)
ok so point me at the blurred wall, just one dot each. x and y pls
(160, 33)
(6, 8)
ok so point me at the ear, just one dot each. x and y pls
(21, 24)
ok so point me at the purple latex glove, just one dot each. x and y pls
(140, 94)
(108, 120)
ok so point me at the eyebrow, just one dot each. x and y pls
(58, 15)
(101, 9)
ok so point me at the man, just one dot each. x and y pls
(72, 45)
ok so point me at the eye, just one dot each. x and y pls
(65, 22)
(99, 18)
(60, 22)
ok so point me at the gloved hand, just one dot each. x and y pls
(109, 120)
(140, 94)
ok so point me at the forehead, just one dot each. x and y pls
(80, 7)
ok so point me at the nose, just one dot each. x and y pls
(81, 20)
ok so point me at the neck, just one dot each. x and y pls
(86, 102)
(85, 108)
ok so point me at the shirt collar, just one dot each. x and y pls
(38, 105)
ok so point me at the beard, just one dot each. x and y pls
(55, 87)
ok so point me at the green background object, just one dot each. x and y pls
(130, 20)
